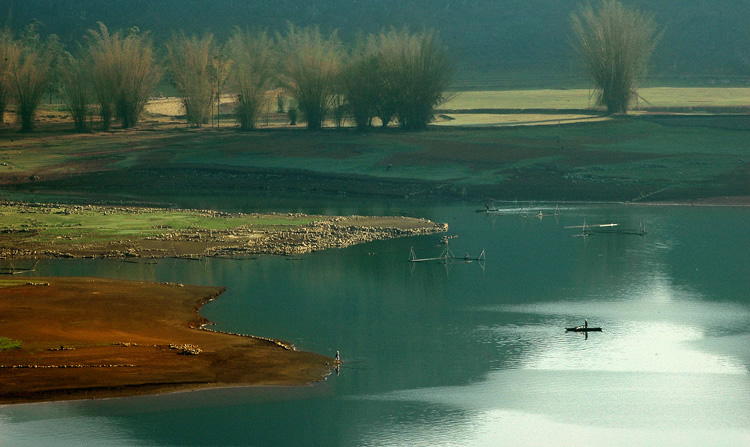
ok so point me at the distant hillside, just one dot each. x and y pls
(497, 42)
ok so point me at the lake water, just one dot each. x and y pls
(466, 354)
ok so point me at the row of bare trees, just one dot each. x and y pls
(397, 76)
(118, 72)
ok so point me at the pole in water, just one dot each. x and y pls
(338, 363)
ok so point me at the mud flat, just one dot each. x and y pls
(94, 338)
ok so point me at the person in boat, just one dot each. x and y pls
(585, 323)
(467, 256)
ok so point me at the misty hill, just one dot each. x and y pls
(501, 43)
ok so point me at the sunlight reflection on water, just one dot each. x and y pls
(533, 407)
(655, 332)
(510, 428)
(636, 347)
(41, 430)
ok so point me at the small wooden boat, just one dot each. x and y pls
(583, 329)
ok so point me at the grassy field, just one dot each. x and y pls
(655, 97)
(514, 119)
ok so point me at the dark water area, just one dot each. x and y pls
(462, 353)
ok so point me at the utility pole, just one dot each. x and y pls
(218, 91)
(218, 100)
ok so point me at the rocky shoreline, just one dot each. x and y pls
(338, 232)
(43, 231)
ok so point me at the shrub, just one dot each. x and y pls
(9, 343)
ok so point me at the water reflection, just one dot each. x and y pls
(513, 428)
(56, 425)
(624, 347)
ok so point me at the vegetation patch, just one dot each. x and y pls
(9, 343)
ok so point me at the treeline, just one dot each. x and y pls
(396, 75)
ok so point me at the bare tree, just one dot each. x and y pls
(615, 43)
(415, 71)
(310, 66)
(280, 102)
(220, 73)
(101, 72)
(29, 81)
(9, 54)
(360, 83)
(292, 113)
(191, 62)
(31, 76)
(124, 73)
(57, 58)
(75, 92)
(252, 71)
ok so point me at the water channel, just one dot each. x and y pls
(464, 353)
